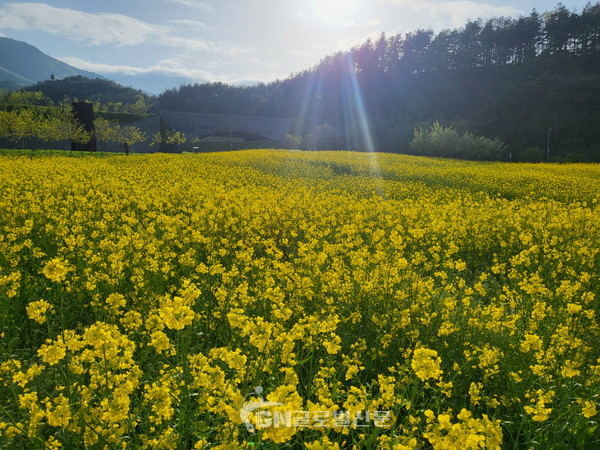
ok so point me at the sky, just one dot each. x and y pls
(228, 40)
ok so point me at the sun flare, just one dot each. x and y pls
(335, 11)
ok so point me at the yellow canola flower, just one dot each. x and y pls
(426, 364)
(467, 433)
(23, 378)
(59, 413)
(322, 444)
(160, 341)
(539, 411)
(37, 310)
(281, 427)
(588, 408)
(179, 283)
(56, 270)
(176, 313)
(52, 353)
(116, 301)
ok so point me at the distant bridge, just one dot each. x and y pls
(203, 125)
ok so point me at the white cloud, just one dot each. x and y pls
(187, 43)
(165, 67)
(458, 12)
(177, 67)
(98, 28)
(89, 28)
(102, 68)
(194, 4)
(187, 23)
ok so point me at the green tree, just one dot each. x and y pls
(131, 135)
(23, 126)
(5, 122)
(170, 137)
(140, 106)
(105, 131)
(160, 138)
(292, 141)
(25, 98)
(156, 139)
(447, 142)
(175, 138)
(68, 127)
(80, 136)
(46, 130)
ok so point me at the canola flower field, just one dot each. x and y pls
(282, 299)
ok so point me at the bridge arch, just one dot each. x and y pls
(199, 125)
(241, 135)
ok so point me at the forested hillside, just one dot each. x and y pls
(532, 81)
(107, 94)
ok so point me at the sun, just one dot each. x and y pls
(331, 8)
(335, 11)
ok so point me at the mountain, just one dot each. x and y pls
(152, 83)
(10, 80)
(22, 65)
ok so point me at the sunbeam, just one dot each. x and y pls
(357, 113)
(352, 121)
(308, 110)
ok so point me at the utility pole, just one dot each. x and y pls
(548, 145)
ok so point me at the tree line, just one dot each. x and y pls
(30, 119)
(34, 127)
(57, 128)
(531, 81)
(106, 95)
